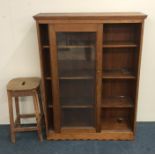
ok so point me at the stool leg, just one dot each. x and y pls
(36, 107)
(17, 110)
(10, 103)
(40, 105)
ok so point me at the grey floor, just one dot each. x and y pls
(28, 143)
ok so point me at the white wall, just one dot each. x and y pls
(19, 52)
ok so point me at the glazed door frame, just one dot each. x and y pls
(53, 29)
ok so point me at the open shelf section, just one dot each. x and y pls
(44, 34)
(116, 119)
(47, 65)
(48, 91)
(115, 124)
(117, 102)
(118, 74)
(50, 118)
(119, 44)
(118, 94)
(49, 103)
(121, 35)
(120, 63)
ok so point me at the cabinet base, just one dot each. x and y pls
(91, 136)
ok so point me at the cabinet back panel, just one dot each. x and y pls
(46, 62)
(48, 90)
(77, 91)
(117, 119)
(77, 117)
(119, 59)
(121, 32)
(118, 88)
(50, 118)
(76, 38)
(44, 34)
(72, 68)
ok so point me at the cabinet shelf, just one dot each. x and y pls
(105, 76)
(75, 46)
(117, 102)
(109, 44)
(78, 129)
(73, 78)
(75, 75)
(119, 44)
(115, 124)
(74, 106)
(45, 46)
(76, 103)
(118, 74)
(48, 78)
(116, 119)
(76, 78)
(70, 46)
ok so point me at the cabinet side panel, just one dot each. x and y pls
(42, 77)
(138, 72)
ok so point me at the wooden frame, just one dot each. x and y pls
(117, 72)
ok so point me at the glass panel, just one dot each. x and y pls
(76, 62)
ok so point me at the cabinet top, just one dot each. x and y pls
(90, 16)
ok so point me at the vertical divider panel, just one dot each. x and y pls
(55, 80)
(99, 59)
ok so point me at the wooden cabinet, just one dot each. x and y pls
(90, 67)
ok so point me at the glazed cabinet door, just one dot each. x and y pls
(76, 66)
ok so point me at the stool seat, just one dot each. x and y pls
(23, 84)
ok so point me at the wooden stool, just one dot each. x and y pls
(24, 87)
